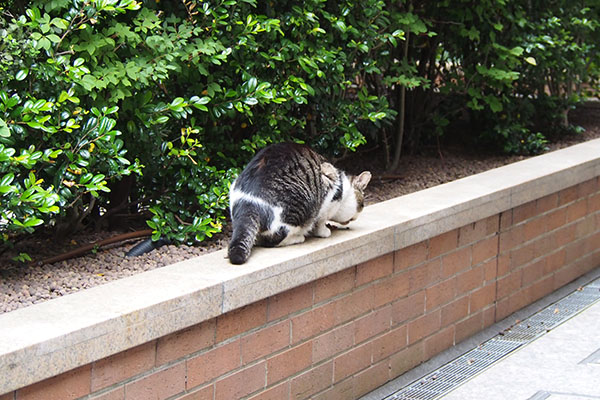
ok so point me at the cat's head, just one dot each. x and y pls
(353, 198)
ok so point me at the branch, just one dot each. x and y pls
(89, 247)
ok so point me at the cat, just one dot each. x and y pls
(286, 193)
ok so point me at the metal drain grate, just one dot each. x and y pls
(465, 367)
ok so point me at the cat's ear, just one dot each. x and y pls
(361, 181)
(329, 171)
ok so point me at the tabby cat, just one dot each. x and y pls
(287, 192)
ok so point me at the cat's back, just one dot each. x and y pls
(281, 168)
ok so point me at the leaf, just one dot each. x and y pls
(31, 222)
(4, 131)
(7, 179)
(517, 51)
(531, 60)
(22, 74)
(53, 38)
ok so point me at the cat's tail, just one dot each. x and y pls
(245, 230)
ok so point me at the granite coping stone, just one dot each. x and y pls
(46, 339)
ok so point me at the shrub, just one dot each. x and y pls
(118, 106)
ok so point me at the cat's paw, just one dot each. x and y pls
(322, 232)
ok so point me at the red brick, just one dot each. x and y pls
(159, 385)
(69, 385)
(443, 243)
(205, 393)
(242, 383)
(374, 269)
(477, 230)
(390, 343)
(564, 276)
(522, 255)
(407, 359)
(577, 210)
(313, 322)
(567, 195)
(485, 249)
(519, 300)
(424, 326)
(556, 219)
(542, 288)
(533, 272)
(574, 251)
(356, 304)
(265, 341)
(425, 275)
(213, 363)
(408, 308)
(313, 381)
(594, 203)
(503, 309)
(472, 233)
(534, 228)
(122, 366)
(333, 285)
(390, 289)
(440, 294)
(341, 390)
(455, 311)
(510, 239)
(503, 264)
(524, 212)
(547, 203)
(490, 270)
(565, 235)
(439, 342)
(469, 280)
(187, 341)
(544, 245)
(410, 256)
(241, 320)
(351, 362)
(482, 297)
(588, 187)
(456, 262)
(114, 394)
(372, 324)
(371, 378)
(489, 317)
(289, 362)
(556, 260)
(506, 220)
(468, 327)
(331, 343)
(508, 285)
(585, 227)
(290, 301)
(279, 392)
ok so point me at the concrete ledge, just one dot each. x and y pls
(59, 335)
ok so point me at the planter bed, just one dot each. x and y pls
(332, 317)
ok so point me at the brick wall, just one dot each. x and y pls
(343, 335)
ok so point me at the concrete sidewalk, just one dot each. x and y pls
(561, 364)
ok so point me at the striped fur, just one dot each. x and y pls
(287, 192)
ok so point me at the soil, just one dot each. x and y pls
(25, 284)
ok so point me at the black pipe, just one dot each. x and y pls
(146, 246)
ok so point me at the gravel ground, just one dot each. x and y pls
(23, 285)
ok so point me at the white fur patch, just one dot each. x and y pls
(237, 195)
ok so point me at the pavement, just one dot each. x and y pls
(561, 364)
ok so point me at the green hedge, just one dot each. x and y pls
(109, 106)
